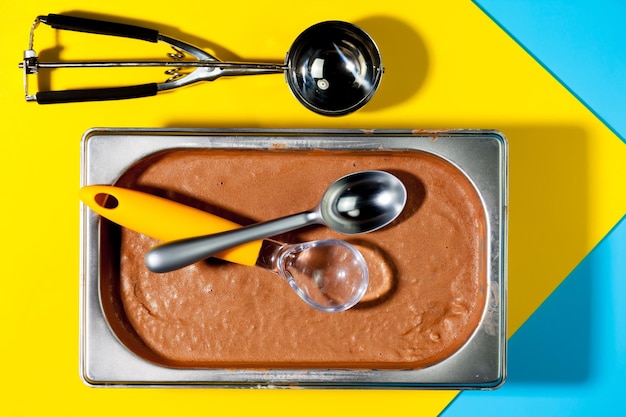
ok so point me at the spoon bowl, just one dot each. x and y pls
(359, 202)
(362, 202)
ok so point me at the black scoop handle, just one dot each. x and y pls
(100, 27)
(96, 94)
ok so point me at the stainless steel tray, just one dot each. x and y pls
(480, 154)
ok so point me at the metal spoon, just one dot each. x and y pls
(333, 68)
(360, 202)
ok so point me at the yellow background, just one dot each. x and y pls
(447, 66)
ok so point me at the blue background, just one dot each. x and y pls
(569, 358)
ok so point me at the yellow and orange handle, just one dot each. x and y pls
(163, 219)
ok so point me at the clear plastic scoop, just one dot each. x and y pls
(330, 275)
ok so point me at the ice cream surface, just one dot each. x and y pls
(428, 268)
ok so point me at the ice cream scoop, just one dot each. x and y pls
(333, 68)
(359, 202)
(330, 275)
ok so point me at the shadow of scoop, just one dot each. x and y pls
(383, 278)
(404, 57)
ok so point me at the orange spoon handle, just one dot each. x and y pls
(163, 219)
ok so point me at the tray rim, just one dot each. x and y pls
(434, 377)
